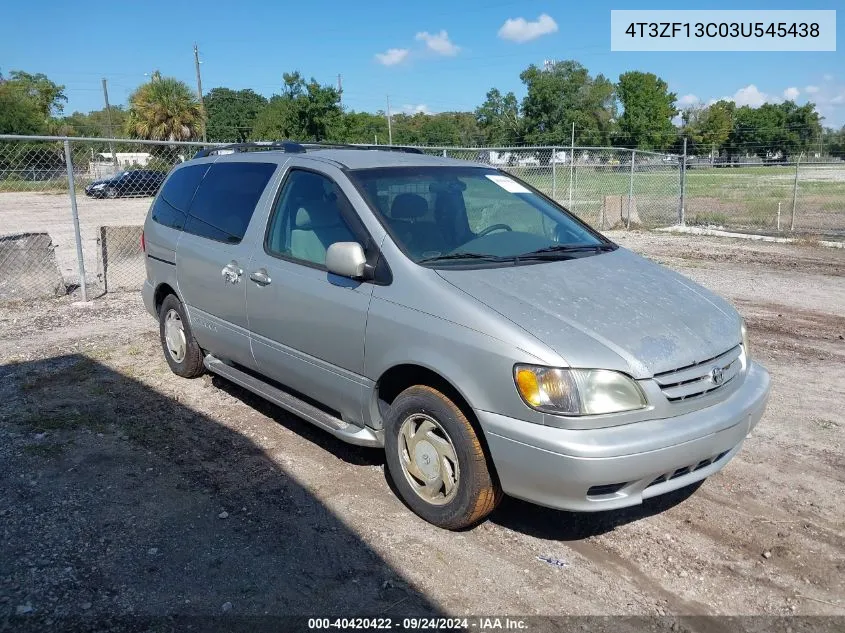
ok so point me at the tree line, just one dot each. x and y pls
(561, 99)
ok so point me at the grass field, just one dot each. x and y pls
(739, 197)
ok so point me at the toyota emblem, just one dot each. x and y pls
(717, 375)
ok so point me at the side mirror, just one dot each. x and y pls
(347, 259)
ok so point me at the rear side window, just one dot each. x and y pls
(226, 199)
(171, 206)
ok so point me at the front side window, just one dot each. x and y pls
(308, 218)
(453, 214)
(226, 199)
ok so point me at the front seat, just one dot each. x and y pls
(450, 213)
(418, 236)
(316, 227)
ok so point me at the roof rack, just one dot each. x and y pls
(382, 148)
(297, 148)
(287, 146)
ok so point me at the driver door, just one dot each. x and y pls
(307, 325)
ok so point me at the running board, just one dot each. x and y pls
(350, 433)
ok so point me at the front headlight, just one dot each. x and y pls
(577, 391)
(745, 346)
(99, 186)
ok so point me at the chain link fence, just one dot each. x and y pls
(71, 212)
(71, 209)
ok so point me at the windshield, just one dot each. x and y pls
(453, 215)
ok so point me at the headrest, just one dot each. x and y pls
(408, 206)
(318, 215)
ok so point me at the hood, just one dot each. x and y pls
(652, 318)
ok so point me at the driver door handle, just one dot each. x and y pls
(260, 277)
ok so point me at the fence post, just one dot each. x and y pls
(75, 215)
(683, 184)
(444, 152)
(571, 165)
(630, 189)
(794, 194)
(554, 173)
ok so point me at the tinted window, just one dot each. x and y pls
(226, 198)
(165, 214)
(309, 218)
(183, 183)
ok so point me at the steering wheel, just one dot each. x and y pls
(494, 227)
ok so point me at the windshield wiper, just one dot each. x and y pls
(560, 251)
(464, 256)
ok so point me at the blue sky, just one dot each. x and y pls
(249, 44)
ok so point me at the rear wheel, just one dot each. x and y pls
(437, 461)
(181, 350)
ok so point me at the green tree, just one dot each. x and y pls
(709, 127)
(49, 98)
(231, 113)
(96, 122)
(561, 95)
(19, 114)
(363, 127)
(164, 109)
(305, 111)
(648, 109)
(499, 119)
(774, 129)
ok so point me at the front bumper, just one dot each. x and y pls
(581, 469)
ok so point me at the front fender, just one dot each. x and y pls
(477, 365)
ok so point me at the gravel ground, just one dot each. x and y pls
(130, 492)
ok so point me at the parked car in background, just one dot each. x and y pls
(134, 182)
(490, 341)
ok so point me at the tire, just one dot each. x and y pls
(111, 193)
(476, 492)
(186, 361)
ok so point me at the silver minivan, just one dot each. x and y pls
(487, 339)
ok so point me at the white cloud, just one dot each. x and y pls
(438, 43)
(827, 77)
(811, 90)
(521, 30)
(419, 108)
(791, 93)
(688, 100)
(392, 56)
(750, 96)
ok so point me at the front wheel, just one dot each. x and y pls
(437, 461)
(111, 193)
(181, 349)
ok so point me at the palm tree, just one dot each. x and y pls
(164, 109)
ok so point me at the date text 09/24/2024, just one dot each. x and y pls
(480, 624)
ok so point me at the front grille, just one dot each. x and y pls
(700, 378)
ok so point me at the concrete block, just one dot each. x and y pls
(28, 267)
(121, 258)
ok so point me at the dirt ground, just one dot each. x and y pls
(127, 491)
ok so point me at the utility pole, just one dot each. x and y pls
(199, 89)
(389, 125)
(340, 88)
(108, 121)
